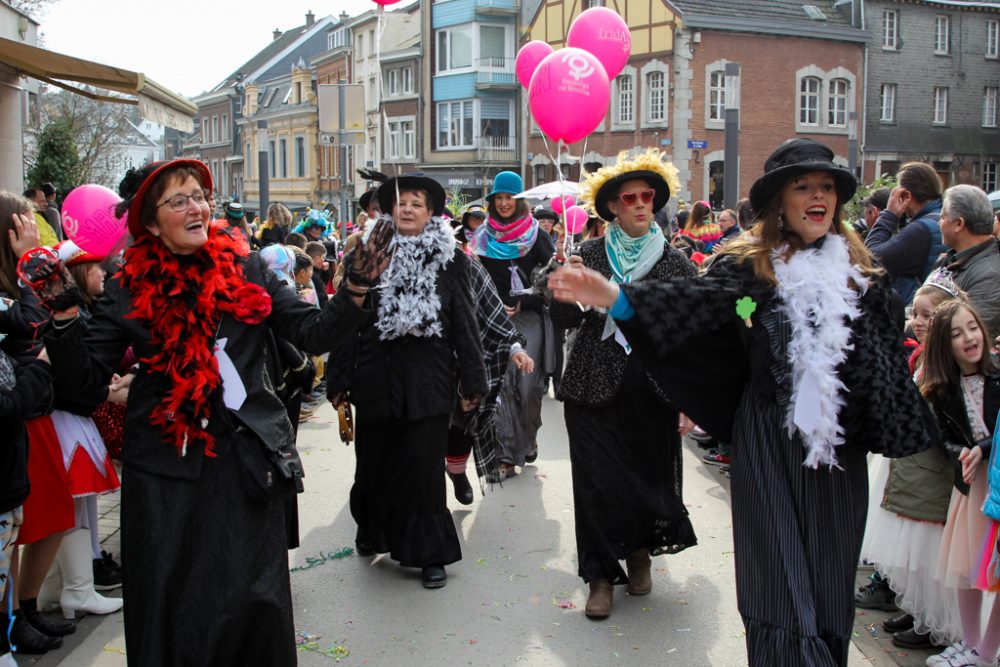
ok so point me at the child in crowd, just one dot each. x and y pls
(303, 274)
(321, 271)
(909, 500)
(963, 387)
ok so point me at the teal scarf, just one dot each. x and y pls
(631, 258)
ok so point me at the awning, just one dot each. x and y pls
(155, 102)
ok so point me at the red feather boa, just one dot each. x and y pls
(181, 304)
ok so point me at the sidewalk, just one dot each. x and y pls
(500, 604)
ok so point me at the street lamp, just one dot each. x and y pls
(731, 166)
(852, 142)
(263, 171)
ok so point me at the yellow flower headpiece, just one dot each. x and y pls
(650, 161)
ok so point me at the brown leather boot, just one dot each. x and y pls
(599, 602)
(639, 580)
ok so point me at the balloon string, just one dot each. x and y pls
(380, 31)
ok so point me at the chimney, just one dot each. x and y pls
(276, 34)
(310, 18)
(344, 16)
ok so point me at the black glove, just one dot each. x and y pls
(372, 257)
(41, 269)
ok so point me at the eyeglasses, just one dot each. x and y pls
(629, 198)
(179, 203)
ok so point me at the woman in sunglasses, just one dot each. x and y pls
(623, 439)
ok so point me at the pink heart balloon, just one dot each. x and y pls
(88, 218)
(560, 204)
(576, 219)
(528, 59)
(605, 34)
(569, 94)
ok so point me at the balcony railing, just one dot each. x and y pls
(495, 72)
(497, 6)
(496, 149)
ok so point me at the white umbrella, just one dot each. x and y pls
(551, 190)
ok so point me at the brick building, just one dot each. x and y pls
(933, 88)
(639, 113)
(801, 75)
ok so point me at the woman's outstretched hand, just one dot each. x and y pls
(585, 287)
(372, 257)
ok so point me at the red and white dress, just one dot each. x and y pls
(88, 465)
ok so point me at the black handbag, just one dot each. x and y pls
(269, 473)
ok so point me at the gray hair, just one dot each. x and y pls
(972, 205)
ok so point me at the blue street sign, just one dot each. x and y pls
(698, 145)
(666, 142)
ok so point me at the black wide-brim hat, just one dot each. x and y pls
(387, 192)
(610, 189)
(472, 211)
(794, 158)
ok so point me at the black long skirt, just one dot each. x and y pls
(206, 570)
(627, 481)
(797, 534)
(399, 499)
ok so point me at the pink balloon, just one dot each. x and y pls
(603, 33)
(569, 94)
(528, 59)
(559, 204)
(88, 217)
(576, 219)
(385, 2)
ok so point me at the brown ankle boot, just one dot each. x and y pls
(599, 602)
(639, 580)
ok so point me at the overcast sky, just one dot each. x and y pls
(187, 46)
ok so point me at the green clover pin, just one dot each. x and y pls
(745, 307)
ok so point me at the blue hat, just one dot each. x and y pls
(508, 182)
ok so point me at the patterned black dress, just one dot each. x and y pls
(797, 531)
(624, 447)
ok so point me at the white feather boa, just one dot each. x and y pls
(819, 302)
(409, 303)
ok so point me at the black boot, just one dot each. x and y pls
(29, 610)
(26, 639)
(463, 490)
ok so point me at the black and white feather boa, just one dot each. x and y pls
(818, 299)
(409, 302)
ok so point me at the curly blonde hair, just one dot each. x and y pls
(651, 160)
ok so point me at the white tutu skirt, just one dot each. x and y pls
(905, 551)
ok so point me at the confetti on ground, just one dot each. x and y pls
(564, 604)
(541, 476)
(323, 558)
(647, 609)
(108, 648)
(473, 642)
(683, 629)
(672, 650)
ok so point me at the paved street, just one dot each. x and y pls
(514, 598)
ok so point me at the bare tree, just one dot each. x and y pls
(102, 131)
(33, 8)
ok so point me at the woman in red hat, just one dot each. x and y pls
(788, 348)
(209, 454)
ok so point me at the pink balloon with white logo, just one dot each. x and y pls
(576, 219)
(560, 204)
(605, 34)
(569, 94)
(88, 218)
(528, 59)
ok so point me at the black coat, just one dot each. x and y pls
(956, 432)
(499, 269)
(596, 368)
(85, 355)
(29, 396)
(414, 377)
